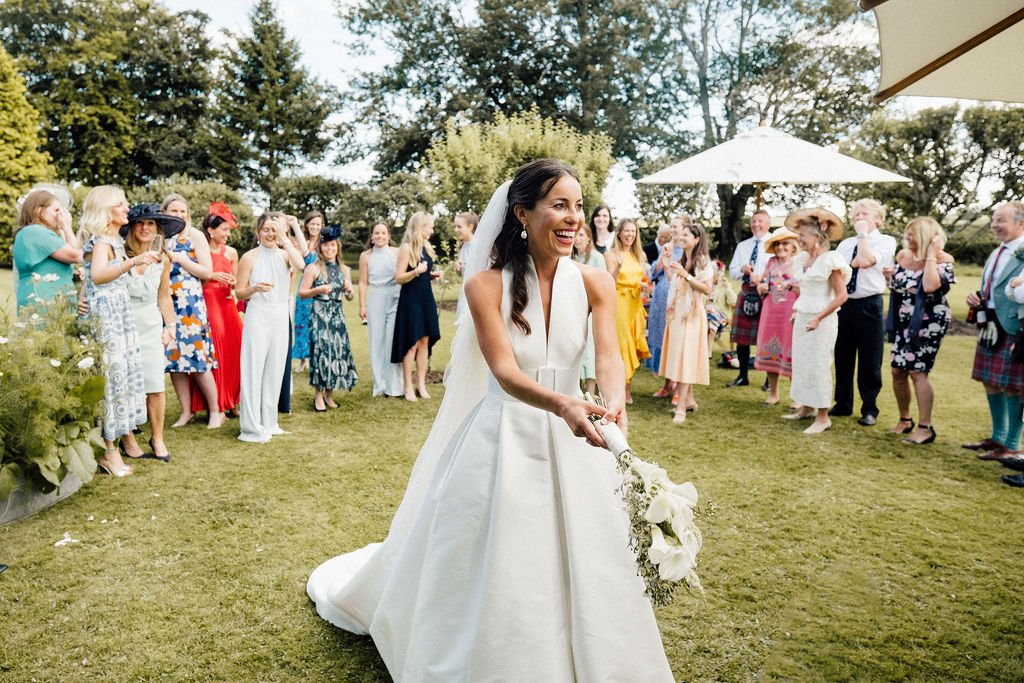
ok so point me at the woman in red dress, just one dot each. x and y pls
(225, 324)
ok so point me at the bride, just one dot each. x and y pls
(507, 559)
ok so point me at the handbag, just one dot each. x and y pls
(751, 304)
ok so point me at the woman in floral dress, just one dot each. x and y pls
(192, 352)
(105, 296)
(324, 282)
(918, 319)
(312, 224)
(775, 326)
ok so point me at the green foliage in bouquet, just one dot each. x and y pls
(51, 392)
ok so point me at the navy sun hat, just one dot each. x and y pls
(169, 225)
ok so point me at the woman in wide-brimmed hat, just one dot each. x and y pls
(775, 326)
(822, 275)
(149, 290)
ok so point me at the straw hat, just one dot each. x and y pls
(831, 224)
(777, 236)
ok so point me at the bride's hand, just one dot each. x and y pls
(617, 413)
(576, 413)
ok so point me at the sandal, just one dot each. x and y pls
(903, 420)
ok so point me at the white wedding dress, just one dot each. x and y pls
(511, 562)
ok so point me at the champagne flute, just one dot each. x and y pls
(157, 245)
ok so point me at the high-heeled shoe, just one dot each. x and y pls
(903, 420)
(126, 454)
(422, 391)
(662, 393)
(692, 408)
(679, 416)
(410, 396)
(317, 409)
(179, 423)
(162, 458)
(122, 471)
(818, 428)
(927, 440)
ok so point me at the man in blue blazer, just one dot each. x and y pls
(998, 316)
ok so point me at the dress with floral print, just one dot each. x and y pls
(916, 352)
(192, 350)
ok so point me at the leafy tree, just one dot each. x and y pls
(474, 159)
(22, 163)
(271, 113)
(594, 64)
(787, 63)
(302, 194)
(962, 162)
(121, 84)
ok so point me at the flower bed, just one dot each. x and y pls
(51, 393)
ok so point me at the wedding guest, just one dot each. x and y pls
(1015, 460)
(625, 261)
(192, 352)
(996, 311)
(265, 282)
(222, 310)
(861, 336)
(583, 251)
(601, 227)
(661, 279)
(775, 327)
(684, 356)
(416, 324)
(326, 281)
(747, 262)
(919, 316)
(652, 250)
(105, 295)
(149, 290)
(312, 224)
(44, 249)
(822, 275)
(378, 306)
(465, 226)
(294, 235)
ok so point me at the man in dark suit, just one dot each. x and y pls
(653, 248)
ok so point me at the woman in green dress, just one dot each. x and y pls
(325, 281)
(44, 249)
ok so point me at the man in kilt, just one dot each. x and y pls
(997, 314)
(747, 265)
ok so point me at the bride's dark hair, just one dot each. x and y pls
(531, 182)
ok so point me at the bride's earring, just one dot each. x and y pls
(523, 233)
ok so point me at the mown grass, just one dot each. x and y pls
(843, 557)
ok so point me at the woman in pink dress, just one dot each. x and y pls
(775, 327)
(225, 324)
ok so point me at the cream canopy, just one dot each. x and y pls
(972, 49)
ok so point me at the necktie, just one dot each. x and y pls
(992, 275)
(852, 284)
(753, 260)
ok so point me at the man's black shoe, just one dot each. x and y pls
(1014, 479)
(836, 411)
(868, 420)
(765, 387)
(738, 382)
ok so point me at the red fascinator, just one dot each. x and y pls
(221, 210)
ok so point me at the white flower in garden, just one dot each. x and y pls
(54, 362)
(34, 316)
(86, 363)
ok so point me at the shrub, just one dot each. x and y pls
(51, 394)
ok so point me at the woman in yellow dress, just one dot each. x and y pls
(625, 260)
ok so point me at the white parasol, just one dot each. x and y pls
(971, 49)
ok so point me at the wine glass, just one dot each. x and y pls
(157, 245)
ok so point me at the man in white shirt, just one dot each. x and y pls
(997, 309)
(747, 265)
(861, 339)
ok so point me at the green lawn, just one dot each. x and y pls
(841, 557)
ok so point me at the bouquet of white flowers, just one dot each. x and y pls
(663, 531)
